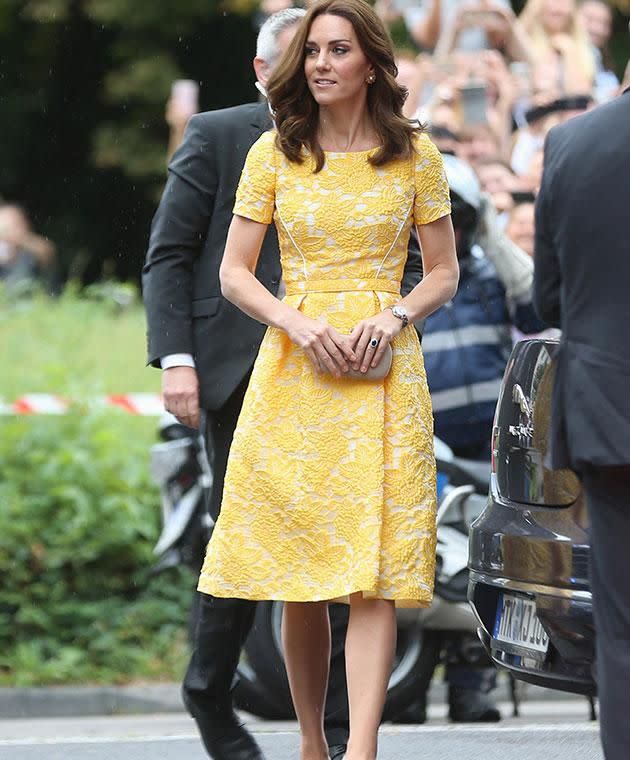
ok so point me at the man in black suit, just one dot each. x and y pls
(206, 348)
(581, 279)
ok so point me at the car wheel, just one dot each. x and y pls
(251, 695)
(417, 653)
(263, 655)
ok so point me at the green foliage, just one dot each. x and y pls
(78, 513)
(78, 520)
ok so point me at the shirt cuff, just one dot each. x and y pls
(177, 360)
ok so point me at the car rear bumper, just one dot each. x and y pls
(540, 555)
(567, 619)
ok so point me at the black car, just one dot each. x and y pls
(529, 549)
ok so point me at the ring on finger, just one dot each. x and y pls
(374, 343)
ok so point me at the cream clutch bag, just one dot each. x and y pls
(373, 373)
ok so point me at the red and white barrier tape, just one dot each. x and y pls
(143, 404)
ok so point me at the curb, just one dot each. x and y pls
(89, 701)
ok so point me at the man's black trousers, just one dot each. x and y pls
(224, 624)
(608, 496)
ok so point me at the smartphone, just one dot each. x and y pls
(482, 17)
(446, 67)
(474, 102)
(520, 70)
(185, 95)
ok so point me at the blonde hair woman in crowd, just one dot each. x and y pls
(560, 43)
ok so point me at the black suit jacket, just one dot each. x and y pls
(186, 312)
(582, 283)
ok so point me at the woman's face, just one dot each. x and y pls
(335, 67)
(495, 178)
(597, 19)
(520, 227)
(557, 16)
(476, 144)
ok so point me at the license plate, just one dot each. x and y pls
(518, 626)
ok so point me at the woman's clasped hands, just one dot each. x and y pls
(333, 352)
(371, 336)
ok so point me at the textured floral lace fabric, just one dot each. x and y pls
(330, 485)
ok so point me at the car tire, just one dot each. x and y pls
(262, 654)
(251, 696)
(417, 653)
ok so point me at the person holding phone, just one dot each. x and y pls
(466, 25)
(484, 25)
(559, 40)
(24, 255)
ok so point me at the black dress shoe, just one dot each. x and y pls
(416, 712)
(228, 739)
(471, 706)
(337, 751)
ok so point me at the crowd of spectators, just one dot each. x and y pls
(490, 85)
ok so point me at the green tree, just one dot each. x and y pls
(83, 84)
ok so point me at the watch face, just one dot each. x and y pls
(401, 313)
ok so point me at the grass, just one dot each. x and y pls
(73, 346)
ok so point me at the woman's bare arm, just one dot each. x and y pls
(439, 285)
(441, 270)
(327, 349)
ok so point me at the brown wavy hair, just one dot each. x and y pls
(296, 112)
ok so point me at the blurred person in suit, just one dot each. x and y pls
(206, 348)
(582, 267)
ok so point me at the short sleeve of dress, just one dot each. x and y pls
(433, 200)
(256, 193)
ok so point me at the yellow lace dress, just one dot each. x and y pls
(330, 485)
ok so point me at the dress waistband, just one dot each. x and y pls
(341, 286)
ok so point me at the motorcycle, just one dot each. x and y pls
(182, 468)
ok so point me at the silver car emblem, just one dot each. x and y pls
(524, 431)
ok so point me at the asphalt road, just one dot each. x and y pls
(553, 731)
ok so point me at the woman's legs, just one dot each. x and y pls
(370, 648)
(306, 642)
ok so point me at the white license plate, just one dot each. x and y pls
(517, 624)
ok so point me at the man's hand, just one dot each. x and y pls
(180, 390)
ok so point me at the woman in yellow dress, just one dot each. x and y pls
(330, 487)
